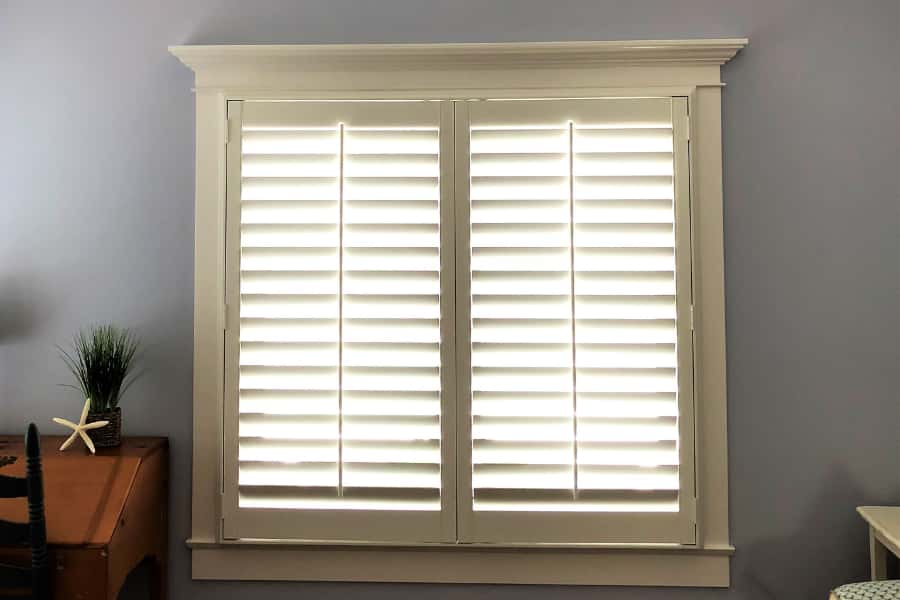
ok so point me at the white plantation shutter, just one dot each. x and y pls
(576, 324)
(459, 321)
(336, 371)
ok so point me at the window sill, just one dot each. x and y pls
(640, 565)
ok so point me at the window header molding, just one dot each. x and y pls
(693, 62)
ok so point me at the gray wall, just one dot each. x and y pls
(96, 220)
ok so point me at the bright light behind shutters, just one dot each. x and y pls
(339, 298)
(574, 344)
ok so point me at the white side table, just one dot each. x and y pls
(884, 536)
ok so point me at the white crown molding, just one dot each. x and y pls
(490, 55)
(270, 66)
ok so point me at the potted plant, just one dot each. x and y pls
(102, 361)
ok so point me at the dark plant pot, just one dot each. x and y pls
(110, 435)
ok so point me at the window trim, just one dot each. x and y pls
(688, 68)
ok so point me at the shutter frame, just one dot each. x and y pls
(339, 524)
(478, 526)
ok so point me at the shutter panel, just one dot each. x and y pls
(337, 357)
(580, 349)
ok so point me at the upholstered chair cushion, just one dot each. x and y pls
(869, 590)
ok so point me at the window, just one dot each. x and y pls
(445, 300)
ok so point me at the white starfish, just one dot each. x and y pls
(81, 428)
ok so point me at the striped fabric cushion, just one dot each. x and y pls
(869, 590)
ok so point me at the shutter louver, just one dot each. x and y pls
(574, 344)
(391, 359)
(339, 406)
(625, 354)
(522, 380)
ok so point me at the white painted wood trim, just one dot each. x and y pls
(209, 314)
(416, 71)
(449, 465)
(710, 412)
(231, 416)
(612, 566)
(687, 471)
(469, 56)
(447, 69)
(464, 497)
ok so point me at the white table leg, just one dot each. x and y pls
(878, 557)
